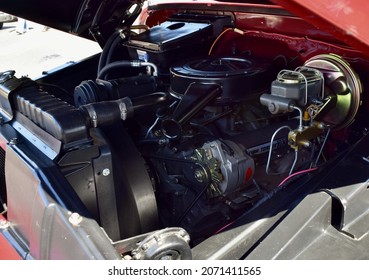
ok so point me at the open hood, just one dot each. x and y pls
(81, 17)
(344, 19)
(347, 20)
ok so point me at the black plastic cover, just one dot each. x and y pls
(171, 35)
(176, 39)
(60, 119)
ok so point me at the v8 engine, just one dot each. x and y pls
(175, 131)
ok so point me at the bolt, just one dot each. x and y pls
(162, 142)
(106, 172)
(94, 121)
(13, 141)
(200, 175)
(3, 224)
(157, 133)
(75, 219)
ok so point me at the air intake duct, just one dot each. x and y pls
(100, 90)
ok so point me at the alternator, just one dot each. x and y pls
(229, 165)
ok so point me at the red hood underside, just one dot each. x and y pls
(347, 20)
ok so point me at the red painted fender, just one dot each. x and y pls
(7, 252)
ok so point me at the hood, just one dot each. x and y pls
(344, 19)
(81, 17)
(347, 20)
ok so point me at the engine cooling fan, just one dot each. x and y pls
(239, 78)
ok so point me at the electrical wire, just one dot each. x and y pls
(224, 227)
(217, 39)
(295, 174)
(236, 30)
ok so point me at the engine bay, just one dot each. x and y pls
(193, 122)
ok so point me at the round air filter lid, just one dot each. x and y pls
(239, 78)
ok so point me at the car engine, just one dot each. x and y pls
(190, 123)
